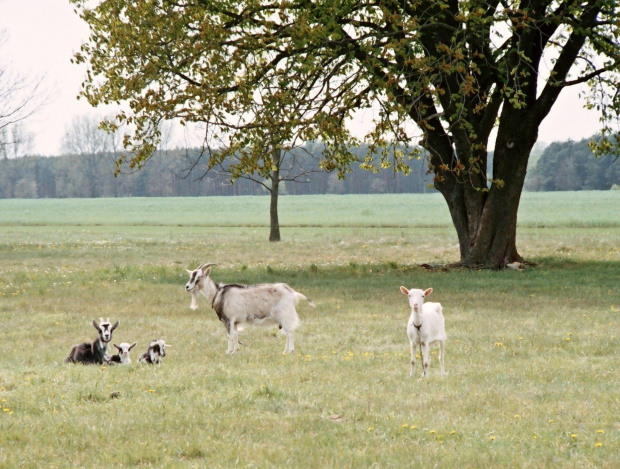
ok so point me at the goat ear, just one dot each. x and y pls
(115, 325)
(132, 345)
(428, 291)
(208, 271)
(167, 345)
(95, 325)
(189, 271)
(404, 290)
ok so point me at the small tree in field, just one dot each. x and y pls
(296, 69)
(278, 166)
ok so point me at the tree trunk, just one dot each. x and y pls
(486, 222)
(274, 231)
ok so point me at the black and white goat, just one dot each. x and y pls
(95, 353)
(122, 357)
(263, 304)
(155, 352)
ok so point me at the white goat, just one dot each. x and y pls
(122, 357)
(264, 304)
(425, 327)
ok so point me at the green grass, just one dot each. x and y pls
(573, 209)
(515, 392)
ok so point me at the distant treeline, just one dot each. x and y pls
(562, 166)
(571, 166)
(166, 175)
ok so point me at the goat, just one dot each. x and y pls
(426, 327)
(263, 304)
(95, 353)
(122, 357)
(155, 352)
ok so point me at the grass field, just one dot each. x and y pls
(532, 357)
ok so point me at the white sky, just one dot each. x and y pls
(41, 36)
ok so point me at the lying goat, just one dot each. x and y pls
(155, 352)
(122, 357)
(267, 303)
(426, 327)
(95, 353)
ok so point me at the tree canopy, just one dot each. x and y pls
(448, 71)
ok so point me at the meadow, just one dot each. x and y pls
(532, 356)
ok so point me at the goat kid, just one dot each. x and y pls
(426, 327)
(263, 304)
(155, 352)
(95, 353)
(122, 357)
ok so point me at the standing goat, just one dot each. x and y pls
(155, 352)
(263, 304)
(122, 357)
(95, 353)
(425, 327)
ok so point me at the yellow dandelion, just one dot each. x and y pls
(456, 341)
(520, 338)
(570, 333)
(572, 435)
(151, 390)
(535, 437)
(492, 438)
(324, 356)
(432, 432)
(370, 429)
(452, 432)
(600, 431)
(2, 388)
(517, 416)
(412, 427)
(599, 444)
(263, 386)
(307, 356)
(6, 409)
(334, 352)
(567, 339)
(3, 400)
(405, 425)
(62, 397)
(11, 413)
(550, 420)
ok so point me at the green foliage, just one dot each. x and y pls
(259, 74)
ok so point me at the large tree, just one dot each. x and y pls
(452, 70)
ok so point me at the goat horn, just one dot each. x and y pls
(205, 266)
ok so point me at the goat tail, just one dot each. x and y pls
(70, 358)
(299, 296)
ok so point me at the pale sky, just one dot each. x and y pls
(41, 36)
